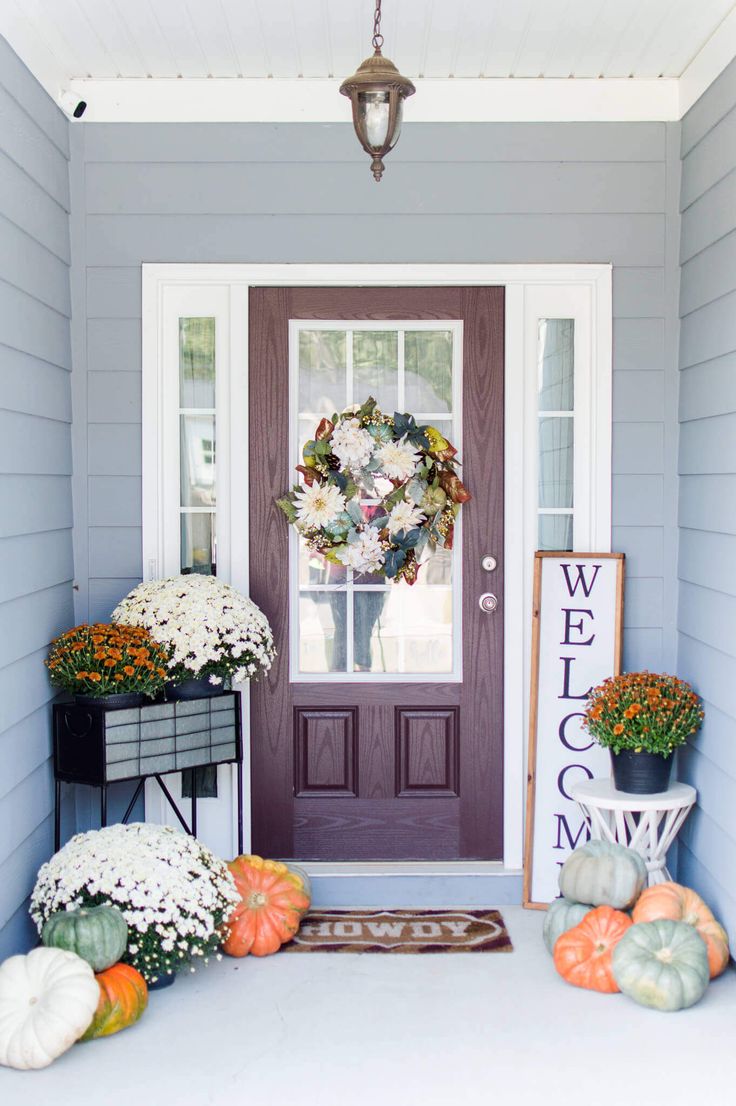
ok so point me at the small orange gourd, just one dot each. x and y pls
(123, 998)
(673, 902)
(583, 955)
(273, 900)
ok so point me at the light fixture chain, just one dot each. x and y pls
(377, 36)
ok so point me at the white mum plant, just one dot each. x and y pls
(211, 629)
(174, 893)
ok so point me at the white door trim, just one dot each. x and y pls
(580, 291)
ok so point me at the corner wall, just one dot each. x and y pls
(35, 462)
(707, 467)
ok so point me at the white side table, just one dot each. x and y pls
(647, 823)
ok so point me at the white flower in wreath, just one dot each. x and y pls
(404, 516)
(352, 445)
(365, 554)
(399, 460)
(319, 505)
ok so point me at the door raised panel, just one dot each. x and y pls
(426, 752)
(325, 760)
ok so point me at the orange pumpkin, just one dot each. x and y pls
(583, 955)
(680, 904)
(273, 902)
(123, 998)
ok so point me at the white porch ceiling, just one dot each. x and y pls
(107, 40)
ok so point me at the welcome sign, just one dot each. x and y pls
(576, 644)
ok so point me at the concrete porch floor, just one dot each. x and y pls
(347, 1030)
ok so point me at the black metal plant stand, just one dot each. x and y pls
(98, 746)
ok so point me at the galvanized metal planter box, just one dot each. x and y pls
(98, 746)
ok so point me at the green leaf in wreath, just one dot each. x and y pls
(331, 555)
(415, 490)
(394, 497)
(422, 540)
(379, 522)
(407, 539)
(393, 561)
(355, 512)
(287, 507)
(367, 409)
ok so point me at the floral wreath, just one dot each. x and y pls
(408, 469)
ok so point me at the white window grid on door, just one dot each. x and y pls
(454, 417)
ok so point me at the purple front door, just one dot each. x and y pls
(378, 733)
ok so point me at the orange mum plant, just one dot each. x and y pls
(643, 711)
(107, 659)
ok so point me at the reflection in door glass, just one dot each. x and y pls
(406, 629)
(428, 367)
(322, 375)
(376, 367)
(346, 624)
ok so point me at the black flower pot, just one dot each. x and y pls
(164, 980)
(194, 689)
(111, 702)
(641, 773)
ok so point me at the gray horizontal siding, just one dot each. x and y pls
(631, 239)
(410, 188)
(707, 466)
(462, 193)
(299, 144)
(35, 461)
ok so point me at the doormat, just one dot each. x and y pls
(404, 931)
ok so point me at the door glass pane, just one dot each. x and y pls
(428, 370)
(556, 364)
(322, 631)
(555, 532)
(315, 570)
(376, 368)
(344, 622)
(198, 543)
(197, 455)
(404, 629)
(555, 462)
(196, 362)
(322, 375)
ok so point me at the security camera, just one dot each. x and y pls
(71, 104)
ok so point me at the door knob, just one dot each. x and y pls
(488, 602)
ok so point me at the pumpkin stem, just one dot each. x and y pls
(256, 899)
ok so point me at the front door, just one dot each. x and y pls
(378, 732)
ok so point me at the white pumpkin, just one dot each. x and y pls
(47, 1001)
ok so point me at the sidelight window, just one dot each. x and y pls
(556, 433)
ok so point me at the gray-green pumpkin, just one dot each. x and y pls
(603, 874)
(99, 934)
(662, 964)
(562, 914)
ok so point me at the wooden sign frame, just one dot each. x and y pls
(537, 614)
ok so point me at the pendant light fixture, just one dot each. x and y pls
(377, 92)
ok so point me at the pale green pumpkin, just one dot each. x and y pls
(603, 874)
(662, 964)
(562, 914)
(99, 934)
